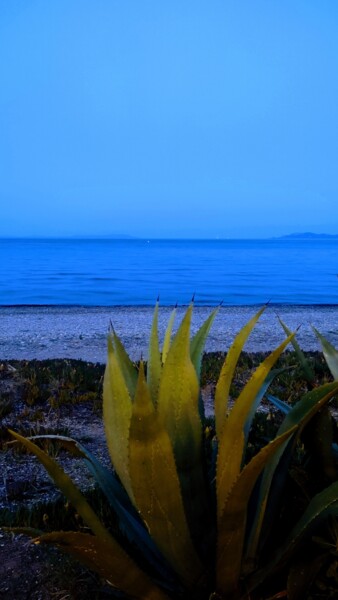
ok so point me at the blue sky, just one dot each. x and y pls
(168, 118)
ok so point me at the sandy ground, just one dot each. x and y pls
(80, 332)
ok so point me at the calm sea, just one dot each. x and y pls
(134, 272)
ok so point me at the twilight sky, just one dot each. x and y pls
(168, 118)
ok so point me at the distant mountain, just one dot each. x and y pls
(115, 236)
(93, 236)
(308, 236)
(79, 236)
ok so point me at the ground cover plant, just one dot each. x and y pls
(195, 511)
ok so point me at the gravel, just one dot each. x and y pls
(80, 332)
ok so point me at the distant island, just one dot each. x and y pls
(111, 236)
(80, 236)
(307, 236)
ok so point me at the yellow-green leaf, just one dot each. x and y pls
(117, 409)
(156, 486)
(198, 341)
(330, 354)
(154, 366)
(231, 444)
(228, 370)
(167, 336)
(127, 367)
(309, 375)
(67, 487)
(231, 526)
(109, 560)
(128, 520)
(178, 395)
(178, 409)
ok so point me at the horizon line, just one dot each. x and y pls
(85, 237)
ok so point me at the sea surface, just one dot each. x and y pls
(134, 272)
(57, 297)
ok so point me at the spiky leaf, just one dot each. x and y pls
(228, 370)
(198, 341)
(266, 384)
(127, 367)
(117, 409)
(167, 335)
(231, 526)
(67, 487)
(178, 409)
(320, 506)
(280, 404)
(232, 442)
(128, 518)
(299, 414)
(156, 486)
(154, 366)
(109, 560)
(330, 354)
(308, 372)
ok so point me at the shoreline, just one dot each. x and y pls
(46, 332)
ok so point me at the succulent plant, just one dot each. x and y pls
(194, 514)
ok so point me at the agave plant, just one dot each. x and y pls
(194, 514)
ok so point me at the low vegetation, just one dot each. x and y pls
(233, 507)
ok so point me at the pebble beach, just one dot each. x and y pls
(32, 332)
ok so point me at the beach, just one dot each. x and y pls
(58, 398)
(32, 332)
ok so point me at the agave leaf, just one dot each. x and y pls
(154, 366)
(156, 486)
(109, 484)
(67, 487)
(198, 341)
(127, 367)
(178, 409)
(320, 506)
(167, 336)
(232, 441)
(330, 353)
(266, 384)
(129, 521)
(318, 439)
(228, 370)
(107, 559)
(299, 414)
(178, 395)
(196, 350)
(308, 372)
(231, 526)
(117, 409)
(282, 406)
(308, 405)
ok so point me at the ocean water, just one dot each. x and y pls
(134, 272)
